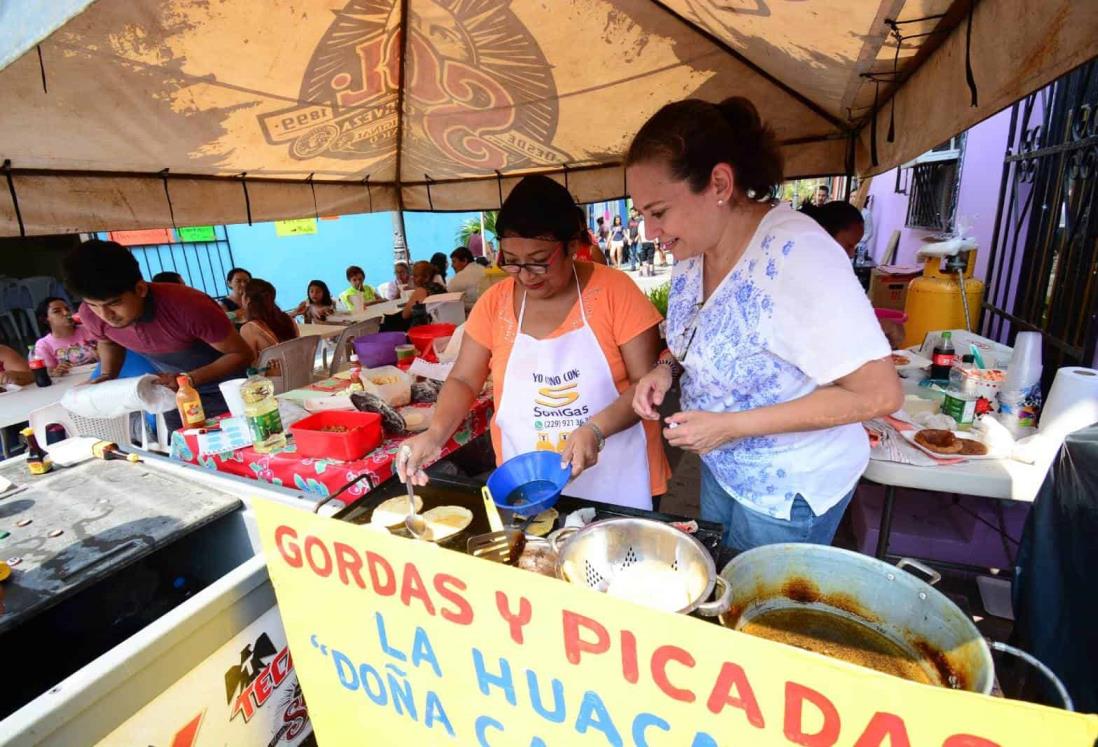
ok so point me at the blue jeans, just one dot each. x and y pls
(745, 528)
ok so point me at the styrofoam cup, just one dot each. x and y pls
(230, 390)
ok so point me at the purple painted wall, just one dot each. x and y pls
(981, 172)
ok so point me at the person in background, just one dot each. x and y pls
(632, 245)
(318, 304)
(402, 281)
(476, 243)
(845, 224)
(645, 251)
(587, 245)
(14, 368)
(558, 337)
(236, 279)
(414, 312)
(780, 354)
(467, 276)
(617, 242)
(864, 251)
(602, 232)
(265, 324)
(67, 343)
(819, 199)
(442, 264)
(366, 295)
(179, 330)
(168, 277)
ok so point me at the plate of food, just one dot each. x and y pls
(949, 444)
(907, 359)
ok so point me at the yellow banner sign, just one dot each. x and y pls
(404, 643)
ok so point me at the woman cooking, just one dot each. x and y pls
(780, 354)
(564, 341)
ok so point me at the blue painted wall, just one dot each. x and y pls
(289, 263)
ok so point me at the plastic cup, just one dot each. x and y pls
(1025, 363)
(230, 390)
(405, 355)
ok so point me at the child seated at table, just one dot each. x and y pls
(318, 304)
(358, 290)
(67, 344)
(14, 368)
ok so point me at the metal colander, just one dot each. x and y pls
(594, 555)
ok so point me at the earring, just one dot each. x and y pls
(751, 194)
(720, 202)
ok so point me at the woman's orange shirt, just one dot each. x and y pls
(617, 311)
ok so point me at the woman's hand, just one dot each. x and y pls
(582, 451)
(651, 390)
(413, 454)
(698, 431)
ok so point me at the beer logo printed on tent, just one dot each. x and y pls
(478, 91)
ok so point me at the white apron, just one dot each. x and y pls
(553, 387)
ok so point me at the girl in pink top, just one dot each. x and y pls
(67, 344)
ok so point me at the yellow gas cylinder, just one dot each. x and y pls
(934, 299)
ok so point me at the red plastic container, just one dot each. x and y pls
(423, 335)
(891, 315)
(363, 435)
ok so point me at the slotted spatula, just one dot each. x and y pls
(500, 544)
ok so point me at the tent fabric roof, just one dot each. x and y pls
(145, 113)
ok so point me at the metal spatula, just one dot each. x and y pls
(499, 544)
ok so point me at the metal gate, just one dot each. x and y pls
(203, 264)
(1044, 255)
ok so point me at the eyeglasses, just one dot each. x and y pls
(534, 268)
(687, 334)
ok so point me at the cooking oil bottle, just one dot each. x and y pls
(261, 411)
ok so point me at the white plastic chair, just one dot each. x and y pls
(346, 337)
(296, 359)
(452, 312)
(107, 429)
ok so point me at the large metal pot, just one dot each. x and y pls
(911, 614)
(594, 555)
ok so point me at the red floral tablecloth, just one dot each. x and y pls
(324, 476)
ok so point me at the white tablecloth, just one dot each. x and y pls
(15, 407)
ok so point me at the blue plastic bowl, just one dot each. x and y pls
(529, 483)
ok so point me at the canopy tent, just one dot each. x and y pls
(122, 114)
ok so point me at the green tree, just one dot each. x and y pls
(471, 226)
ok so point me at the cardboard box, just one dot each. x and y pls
(888, 285)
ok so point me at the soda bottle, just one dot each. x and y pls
(38, 366)
(38, 461)
(189, 403)
(941, 360)
(261, 411)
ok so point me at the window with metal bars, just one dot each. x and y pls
(202, 264)
(931, 195)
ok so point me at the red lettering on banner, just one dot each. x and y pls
(291, 554)
(377, 563)
(629, 667)
(349, 563)
(574, 645)
(732, 678)
(464, 612)
(968, 740)
(660, 657)
(516, 621)
(795, 697)
(884, 725)
(311, 544)
(380, 66)
(413, 588)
